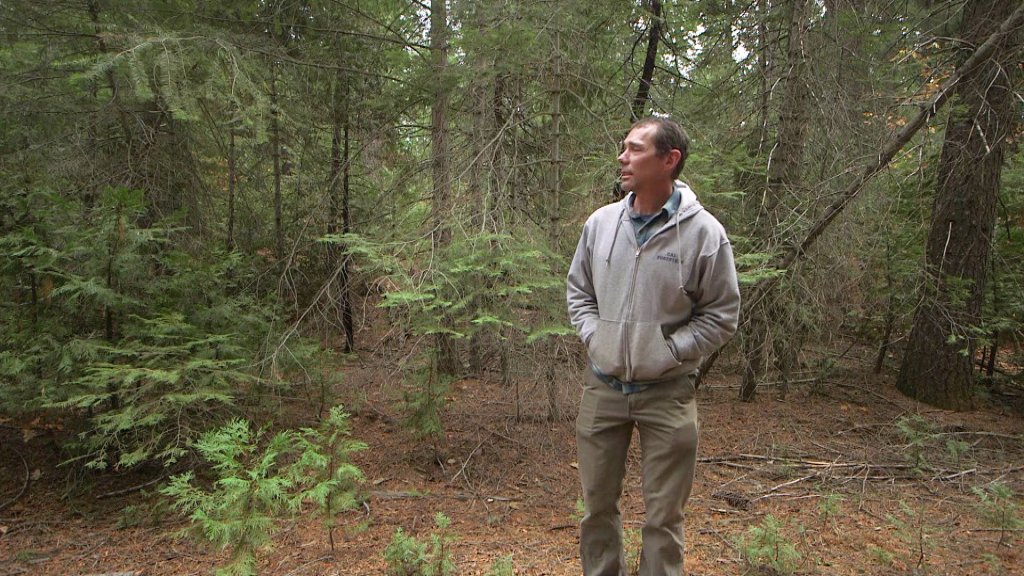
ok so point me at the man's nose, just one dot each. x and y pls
(623, 158)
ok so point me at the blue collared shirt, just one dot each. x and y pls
(645, 225)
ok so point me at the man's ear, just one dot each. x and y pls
(672, 157)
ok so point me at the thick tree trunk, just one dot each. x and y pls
(938, 364)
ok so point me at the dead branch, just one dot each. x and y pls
(885, 155)
(861, 470)
(131, 489)
(462, 471)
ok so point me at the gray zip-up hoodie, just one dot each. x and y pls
(651, 313)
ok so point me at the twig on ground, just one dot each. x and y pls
(955, 475)
(871, 392)
(131, 489)
(783, 485)
(313, 561)
(462, 470)
(403, 495)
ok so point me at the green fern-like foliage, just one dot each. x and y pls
(238, 512)
(998, 508)
(142, 339)
(498, 285)
(408, 556)
(324, 468)
(765, 546)
(166, 373)
(262, 477)
(405, 555)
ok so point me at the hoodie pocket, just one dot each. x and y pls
(649, 353)
(605, 349)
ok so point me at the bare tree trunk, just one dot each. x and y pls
(643, 92)
(275, 152)
(339, 207)
(890, 311)
(232, 181)
(938, 365)
(773, 324)
(554, 218)
(447, 357)
(344, 279)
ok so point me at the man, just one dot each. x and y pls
(651, 291)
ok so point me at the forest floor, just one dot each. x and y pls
(860, 480)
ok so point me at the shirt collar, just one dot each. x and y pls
(670, 207)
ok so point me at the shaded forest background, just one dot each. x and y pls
(210, 209)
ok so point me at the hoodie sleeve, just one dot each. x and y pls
(716, 307)
(580, 294)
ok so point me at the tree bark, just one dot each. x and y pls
(232, 180)
(938, 364)
(339, 209)
(275, 152)
(447, 358)
(884, 156)
(772, 325)
(643, 92)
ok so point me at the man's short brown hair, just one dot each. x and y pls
(668, 135)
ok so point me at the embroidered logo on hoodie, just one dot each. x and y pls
(669, 257)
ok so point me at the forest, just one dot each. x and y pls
(282, 287)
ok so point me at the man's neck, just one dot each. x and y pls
(648, 202)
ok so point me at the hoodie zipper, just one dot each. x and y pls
(628, 360)
(629, 313)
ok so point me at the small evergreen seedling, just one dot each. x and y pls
(765, 546)
(440, 556)
(405, 555)
(913, 531)
(829, 508)
(918, 434)
(998, 509)
(408, 556)
(324, 468)
(238, 512)
(502, 567)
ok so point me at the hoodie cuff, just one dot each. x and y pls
(684, 346)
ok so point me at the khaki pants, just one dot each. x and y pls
(666, 415)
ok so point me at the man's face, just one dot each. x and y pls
(640, 166)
